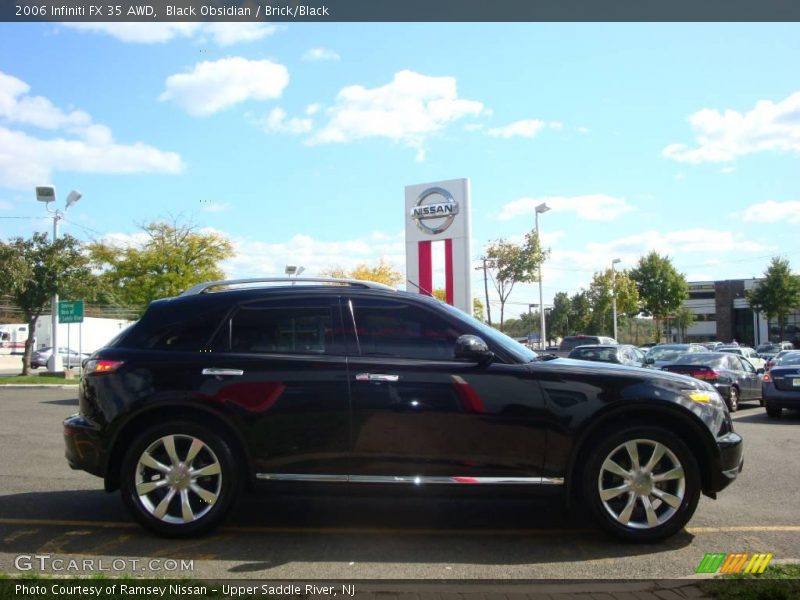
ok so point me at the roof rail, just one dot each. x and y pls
(201, 288)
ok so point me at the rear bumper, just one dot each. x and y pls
(730, 462)
(780, 398)
(83, 445)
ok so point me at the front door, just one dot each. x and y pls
(421, 415)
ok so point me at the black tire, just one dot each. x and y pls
(733, 399)
(683, 492)
(773, 412)
(206, 514)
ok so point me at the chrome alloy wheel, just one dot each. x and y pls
(641, 484)
(178, 490)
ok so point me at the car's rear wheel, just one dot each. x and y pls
(773, 412)
(733, 399)
(642, 484)
(179, 479)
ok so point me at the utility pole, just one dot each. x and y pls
(486, 289)
(614, 292)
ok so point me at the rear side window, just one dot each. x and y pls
(569, 343)
(186, 329)
(282, 330)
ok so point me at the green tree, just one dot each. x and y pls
(683, 319)
(661, 287)
(777, 294)
(383, 273)
(173, 257)
(514, 263)
(601, 299)
(580, 312)
(559, 317)
(33, 270)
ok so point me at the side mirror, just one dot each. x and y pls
(473, 349)
(649, 360)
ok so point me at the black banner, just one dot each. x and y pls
(154, 11)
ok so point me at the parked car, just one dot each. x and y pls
(621, 354)
(69, 358)
(734, 377)
(663, 354)
(570, 342)
(343, 382)
(712, 346)
(768, 351)
(780, 387)
(776, 359)
(745, 352)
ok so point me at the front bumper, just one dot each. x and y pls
(729, 463)
(84, 447)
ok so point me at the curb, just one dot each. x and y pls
(39, 386)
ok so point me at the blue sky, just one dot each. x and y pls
(297, 140)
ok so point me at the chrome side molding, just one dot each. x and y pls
(411, 479)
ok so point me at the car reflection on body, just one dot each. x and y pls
(734, 377)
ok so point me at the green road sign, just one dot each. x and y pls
(70, 312)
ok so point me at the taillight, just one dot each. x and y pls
(767, 377)
(102, 366)
(707, 375)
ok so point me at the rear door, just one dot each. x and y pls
(280, 365)
(750, 381)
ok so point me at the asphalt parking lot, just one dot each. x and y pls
(47, 509)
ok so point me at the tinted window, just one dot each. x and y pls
(599, 354)
(401, 330)
(282, 330)
(188, 334)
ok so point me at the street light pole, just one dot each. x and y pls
(542, 208)
(47, 194)
(614, 292)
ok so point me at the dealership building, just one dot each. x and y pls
(721, 312)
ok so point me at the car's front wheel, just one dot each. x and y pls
(642, 483)
(179, 479)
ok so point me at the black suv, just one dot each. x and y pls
(347, 382)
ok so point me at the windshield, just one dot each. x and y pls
(666, 352)
(508, 344)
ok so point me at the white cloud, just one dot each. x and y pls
(725, 136)
(313, 109)
(255, 258)
(212, 86)
(525, 128)
(582, 130)
(317, 54)
(408, 110)
(5, 205)
(222, 34)
(19, 107)
(216, 207)
(473, 126)
(773, 212)
(276, 122)
(81, 145)
(727, 170)
(590, 207)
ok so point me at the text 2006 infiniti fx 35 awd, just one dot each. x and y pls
(233, 384)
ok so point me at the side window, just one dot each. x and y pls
(747, 366)
(402, 330)
(282, 330)
(732, 363)
(189, 334)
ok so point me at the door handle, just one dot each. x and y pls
(377, 377)
(223, 372)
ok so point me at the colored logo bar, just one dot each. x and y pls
(729, 564)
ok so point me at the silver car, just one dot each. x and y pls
(69, 358)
